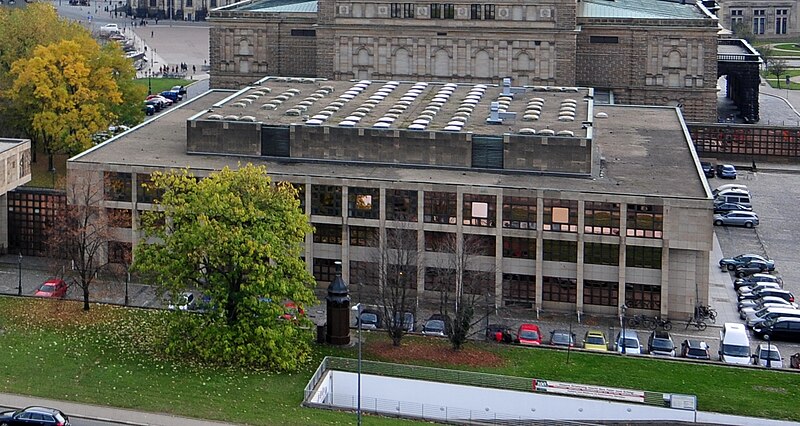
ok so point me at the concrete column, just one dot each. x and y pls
(623, 232)
(580, 264)
(4, 224)
(539, 250)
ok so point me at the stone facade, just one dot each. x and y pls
(771, 19)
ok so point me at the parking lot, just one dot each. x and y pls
(774, 192)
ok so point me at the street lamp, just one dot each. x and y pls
(127, 280)
(769, 351)
(357, 308)
(623, 308)
(19, 266)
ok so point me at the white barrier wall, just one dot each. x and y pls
(416, 398)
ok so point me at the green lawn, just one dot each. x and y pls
(158, 84)
(108, 357)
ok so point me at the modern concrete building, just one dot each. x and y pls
(643, 52)
(15, 170)
(577, 207)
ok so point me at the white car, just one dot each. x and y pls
(749, 289)
(747, 312)
(184, 302)
(764, 353)
(749, 303)
(109, 29)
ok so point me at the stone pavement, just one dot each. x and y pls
(104, 414)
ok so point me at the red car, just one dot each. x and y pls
(292, 311)
(52, 288)
(529, 334)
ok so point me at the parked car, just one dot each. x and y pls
(55, 287)
(757, 278)
(708, 169)
(165, 102)
(407, 321)
(157, 105)
(726, 171)
(748, 311)
(736, 218)
(562, 338)
(767, 314)
(291, 311)
(109, 29)
(180, 89)
(148, 108)
(751, 268)
(734, 345)
(529, 334)
(731, 263)
(728, 186)
(768, 355)
(758, 287)
(172, 95)
(784, 294)
(184, 302)
(595, 340)
(779, 329)
(722, 208)
(660, 343)
(630, 341)
(434, 327)
(369, 319)
(774, 300)
(34, 416)
(695, 349)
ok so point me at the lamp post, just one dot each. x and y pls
(623, 308)
(19, 267)
(127, 280)
(357, 308)
(149, 85)
(769, 351)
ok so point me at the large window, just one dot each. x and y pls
(436, 11)
(119, 218)
(401, 204)
(603, 293)
(326, 200)
(601, 218)
(520, 248)
(560, 251)
(475, 11)
(396, 10)
(363, 203)
(479, 283)
(781, 19)
(327, 234)
(560, 215)
(119, 252)
(555, 289)
(642, 296)
(737, 17)
(519, 290)
(601, 254)
(117, 186)
(488, 11)
(325, 269)
(479, 210)
(759, 21)
(362, 274)
(519, 212)
(645, 221)
(643, 257)
(439, 241)
(146, 193)
(363, 236)
(437, 279)
(479, 245)
(408, 10)
(440, 207)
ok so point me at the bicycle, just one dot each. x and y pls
(707, 312)
(637, 320)
(659, 322)
(698, 323)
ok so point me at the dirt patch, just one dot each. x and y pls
(55, 313)
(433, 352)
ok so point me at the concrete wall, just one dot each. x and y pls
(223, 137)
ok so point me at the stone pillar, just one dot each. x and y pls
(338, 317)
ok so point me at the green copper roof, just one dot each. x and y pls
(281, 6)
(641, 9)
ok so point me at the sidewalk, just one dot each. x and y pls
(104, 414)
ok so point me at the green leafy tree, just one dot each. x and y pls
(237, 239)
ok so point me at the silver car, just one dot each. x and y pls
(737, 218)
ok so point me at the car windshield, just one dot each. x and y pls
(369, 318)
(435, 325)
(662, 344)
(631, 343)
(697, 352)
(48, 288)
(595, 340)
(771, 355)
(529, 335)
(762, 312)
(561, 338)
(736, 350)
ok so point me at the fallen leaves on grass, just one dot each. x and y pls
(433, 352)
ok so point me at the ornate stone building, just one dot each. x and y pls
(657, 52)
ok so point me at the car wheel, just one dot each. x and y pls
(731, 266)
(718, 222)
(748, 224)
(739, 274)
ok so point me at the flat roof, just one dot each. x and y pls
(643, 150)
(641, 9)
(408, 105)
(6, 143)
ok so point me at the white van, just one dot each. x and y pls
(737, 196)
(734, 345)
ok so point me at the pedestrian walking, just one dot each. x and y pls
(194, 70)
(151, 34)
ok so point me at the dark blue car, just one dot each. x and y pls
(172, 95)
(726, 171)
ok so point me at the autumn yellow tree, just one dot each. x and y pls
(70, 90)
